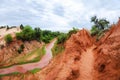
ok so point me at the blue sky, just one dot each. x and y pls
(59, 15)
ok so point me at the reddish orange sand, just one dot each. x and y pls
(85, 59)
(23, 68)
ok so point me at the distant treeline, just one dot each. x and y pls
(1, 27)
(28, 34)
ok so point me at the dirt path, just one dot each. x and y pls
(25, 67)
(86, 66)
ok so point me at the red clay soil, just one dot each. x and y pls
(84, 59)
(77, 54)
(10, 51)
(24, 68)
(107, 56)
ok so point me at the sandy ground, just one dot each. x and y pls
(25, 67)
(4, 32)
(87, 64)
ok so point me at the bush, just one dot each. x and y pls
(37, 34)
(46, 39)
(21, 48)
(99, 27)
(27, 34)
(21, 27)
(94, 30)
(73, 31)
(57, 48)
(7, 28)
(61, 38)
(8, 38)
(47, 35)
(1, 46)
(19, 36)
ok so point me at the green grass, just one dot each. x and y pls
(35, 70)
(38, 53)
(28, 58)
(14, 73)
(57, 48)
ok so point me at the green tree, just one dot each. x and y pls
(99, 25)
(27, 34)
(21, 48)
(47, 36)
(7, 27)
(38, 34)
(62, 38)
(21, 27)
(8, 38)
(19, 36)
(55, 34)
(94, 30)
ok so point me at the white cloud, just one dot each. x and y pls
(42, 12)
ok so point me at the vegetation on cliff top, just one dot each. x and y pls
(99, 26)
(8, 38)
(28, 34)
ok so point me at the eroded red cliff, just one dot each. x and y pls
(84, 59)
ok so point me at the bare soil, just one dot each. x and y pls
(26, 67)
(85, 59)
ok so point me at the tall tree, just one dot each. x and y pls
(99, 25)
(21, 27)
(8, 38)
(7, 28)
(38, 33)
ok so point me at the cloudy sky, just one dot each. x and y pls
(57, 14)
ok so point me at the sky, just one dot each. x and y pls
(57, 15)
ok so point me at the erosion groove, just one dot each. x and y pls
(84, 59)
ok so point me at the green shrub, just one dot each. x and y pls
(21, 27)
(37, 34)
(21, 48)
(19, 36)
(57, 48)
(9, 74)
(1, 46)
(28, 34)
(7, 28)
(94, 30)
(61, 38)
(8, 38)
(99, 27)
(35, 70)
(73, 31)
